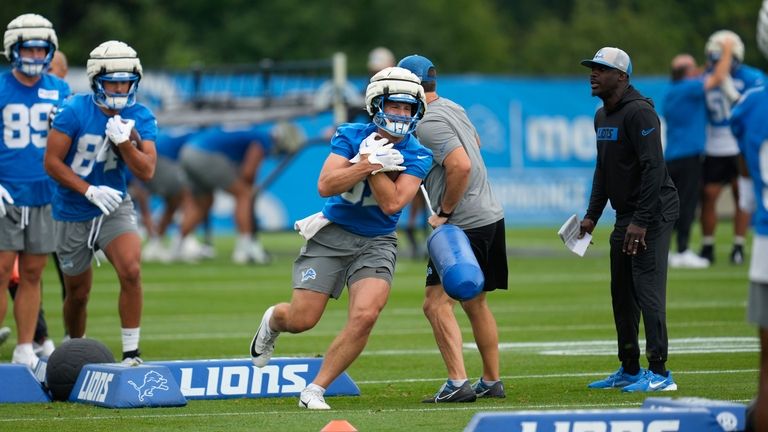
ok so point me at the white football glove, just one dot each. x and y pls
(105, 198)
(728, 88)
(118, 130)
(746, 195)
(369, 145)
(5, 197)
(389, 158)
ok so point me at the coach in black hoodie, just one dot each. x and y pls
(631, 173)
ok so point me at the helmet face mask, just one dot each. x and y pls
(114, 61)
(396, 85)
(30, 31)
(112, 100)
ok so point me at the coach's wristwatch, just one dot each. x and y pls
(444, 214)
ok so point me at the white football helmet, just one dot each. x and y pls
(400, 85)
(714, 46)
(30, 31)
(117, 62)
(762, 29)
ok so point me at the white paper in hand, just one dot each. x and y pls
(569, 234)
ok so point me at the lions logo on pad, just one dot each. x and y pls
(152, 381)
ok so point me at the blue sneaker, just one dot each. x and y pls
(651, 382)
(617, 379)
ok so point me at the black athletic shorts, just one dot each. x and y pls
(720, 169)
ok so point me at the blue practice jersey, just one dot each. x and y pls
(231, 141)
(720, 140)
(24, 123)
(170, 140)
(719, 107)
(685, 112)
(357, 210)
(749, 125)
(82, 120)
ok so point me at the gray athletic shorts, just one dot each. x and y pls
(72, 237)
(757, 304)
(207, 171)
(169, 178)
(335, 257)
(35, 238)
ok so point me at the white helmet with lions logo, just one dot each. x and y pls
(114, 61)
(399, 85)
(714, 47)
(30, 31)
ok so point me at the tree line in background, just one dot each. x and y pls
(509, 37)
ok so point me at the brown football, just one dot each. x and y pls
(134, 138)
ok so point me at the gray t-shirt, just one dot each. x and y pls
(444, 128)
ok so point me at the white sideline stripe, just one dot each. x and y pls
(566, 375)
(417, 330)
(302, 412)
(604, 347)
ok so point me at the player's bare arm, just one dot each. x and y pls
(251, 162)
(340, 175)
(457, 169)
(141, 160)
(55, 153)
(391, 195)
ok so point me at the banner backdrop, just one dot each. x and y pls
(537, 140)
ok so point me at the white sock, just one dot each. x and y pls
(316, 388)
(244, 240)
(25, 348)
(738, 240)
(458, 382)
(130, 338)
(708, 240)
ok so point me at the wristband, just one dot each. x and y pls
(443, 214)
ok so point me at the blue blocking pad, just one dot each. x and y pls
(239, 378)
(455, 262)
(730, 415)
(18, 384)
(113, 385)
(629, 420)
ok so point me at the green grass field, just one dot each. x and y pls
(555, 327)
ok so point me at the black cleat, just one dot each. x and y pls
(484, 391)
(708, 253)
(450, 393)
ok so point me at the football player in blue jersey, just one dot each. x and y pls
(27, 96)
(227, 158)
(90, 147)
(169, 183)
(720, 166)
(685, 110)
(751, 131)
(373, 171)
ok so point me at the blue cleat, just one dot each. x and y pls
(651, 382)
(617, 379)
